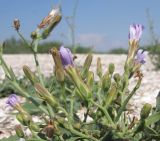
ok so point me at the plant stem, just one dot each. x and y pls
(27, 95)
(123, 106)
(34, 51)
(105, 112)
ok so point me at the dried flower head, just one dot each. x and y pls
(16, 24)
(54, 13)
(66, 56)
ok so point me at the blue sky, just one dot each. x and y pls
(103, 24)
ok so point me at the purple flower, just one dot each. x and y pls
(140, 56)
(135, 32)
(13, 100)
(66, 56)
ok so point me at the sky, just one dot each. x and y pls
(102, 24)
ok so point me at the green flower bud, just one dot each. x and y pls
(111, 95)
(59, 70)
(59, 75)
(24, 118)
(145, 110)
(111, 68)
(81, 86)
(86, 65)
(90, 79)
(19, 131)
(158, 102)
(117, 77)
(45, 94)
(99, 67)
(30, 75)
(106, 81)
(34, 127)
(34, 35)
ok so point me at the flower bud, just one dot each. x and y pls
(86, 65)
(99, 67)
(117, 77)
(111, 68)
(44, 94)
(58, 64)
(66, 56)
(158, 102)
(145, 111)
(59, 75)
(50, 21)
(111, 95)
(34, 35)
(106, 81)
(19, 131)
(90, 79)
(34, 126)
(30, 75)
(81, 86)
(16, 24)
(24, 118)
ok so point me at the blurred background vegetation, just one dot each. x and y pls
(17, 46)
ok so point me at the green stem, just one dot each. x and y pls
(84, 136)
(27, 95)
(37, 62)
(71, 107)
(5, 67)
(34, 51)
(50, 111)
(105, 112)
(123, 106)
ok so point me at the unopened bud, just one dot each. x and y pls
(33, 35)
(34, 127)
(117, 77)
(90, 79)
(86, 65)
(19, 131)
(81, 86)
(45, 94)
(106, 81)
(59, 75)
(158, 102)
(16, 24)
(111, 68)
(30, 75)
(111, 95)
(24, 118)
(99, 67)
(59, 70)
(145, 111)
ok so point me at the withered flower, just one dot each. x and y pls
(16, 24)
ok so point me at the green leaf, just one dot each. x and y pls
(31, 108)
(11, 138)
(152, 119)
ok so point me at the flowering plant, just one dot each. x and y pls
(104, 101)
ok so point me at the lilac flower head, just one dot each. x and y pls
(141, 56)
(66, 56)
(12, 100)
(135, 32)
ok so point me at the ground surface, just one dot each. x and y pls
(147, 92)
